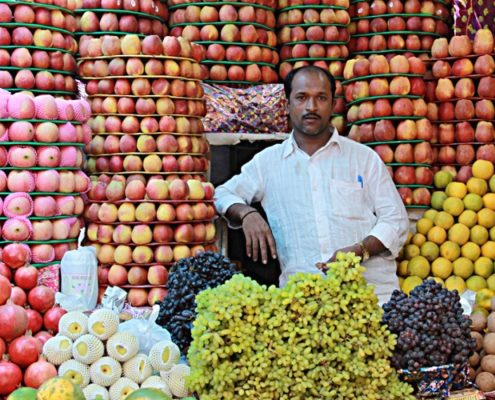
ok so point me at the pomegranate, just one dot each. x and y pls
(18, 296)
(5, 271)
(25, 350)
(3, 347)
(41, 298)
(26, 277)
(38, 373)
(52, 317)
(35, 320)
(5, 289)
(16, 255)
(10, 376)
(43, 336)
(13, 321)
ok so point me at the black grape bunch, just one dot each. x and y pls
(430, 327)
(187, 278)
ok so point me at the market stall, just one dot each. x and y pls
(118, 280)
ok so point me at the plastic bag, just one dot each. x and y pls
(79, 280)
(146, 330)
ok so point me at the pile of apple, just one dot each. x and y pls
(313, 32)
(41, 181)
(386, 111)
(37, 46)
(28, 318)
(238, 38)
(97, 17)
(149, 203)
(460, 96)
(397, 26)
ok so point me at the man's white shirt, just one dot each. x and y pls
(320, 203)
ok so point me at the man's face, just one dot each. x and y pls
(311, 103)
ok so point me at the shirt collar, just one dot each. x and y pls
(290, 144)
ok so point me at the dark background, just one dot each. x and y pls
(226, 161)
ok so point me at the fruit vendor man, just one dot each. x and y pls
(322, 193)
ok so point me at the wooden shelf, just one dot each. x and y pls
(230, 139)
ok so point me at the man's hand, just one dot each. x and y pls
(355, 248)
(259, 237)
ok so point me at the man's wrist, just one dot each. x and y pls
(245, 213)
(365, 254)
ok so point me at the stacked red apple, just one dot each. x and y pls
(149, 203)
(41, 181)
(386, 111)
(37, 46)
(313, 32)
(461, 99)
(99, 17)
(28, 318)
(238, 38)
(397, 26)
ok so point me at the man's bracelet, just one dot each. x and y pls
(364, 251)
(249, 212)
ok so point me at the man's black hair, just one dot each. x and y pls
(292, 74)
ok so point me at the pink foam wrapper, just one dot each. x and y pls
(46, 107)
(14, 223)
(50, 277)
(4, 157)
(65, 110)
(4, 101)
(42, 253)
(45, 206)
(80, 111)
(21, 106)
(13, 156)
(5, 137)
(26, 176)
(68, 156)
(67, 133)
(87, 133)
(9, 205)
(65, 204)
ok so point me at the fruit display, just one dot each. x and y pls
(460, 92)
(119, 17)
(397, 27)
(298, 341)
(104, 362)
(454, 241)
(430, 327)
(481, 368)
(37, 47)
(28, 318)
(387, 112)
(313, 33)
(41, 182)
(187, 278)
(238, 38)
(150, 202)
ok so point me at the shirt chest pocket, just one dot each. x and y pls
(347, 200)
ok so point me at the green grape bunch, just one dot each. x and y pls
(319, 337)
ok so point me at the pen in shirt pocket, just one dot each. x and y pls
(360, 180)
